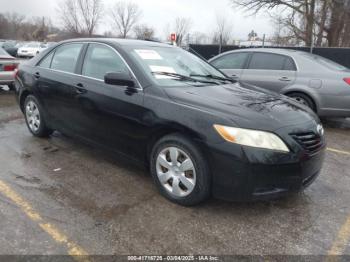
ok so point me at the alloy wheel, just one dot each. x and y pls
(176, 171)
(33, 116)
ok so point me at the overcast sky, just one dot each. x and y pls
(159, 13)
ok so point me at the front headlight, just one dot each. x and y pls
(253, 138)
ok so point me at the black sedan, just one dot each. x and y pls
(199, 132)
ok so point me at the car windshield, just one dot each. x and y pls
(3, 52)
(32, 45)
(169, 66)
(325, 62)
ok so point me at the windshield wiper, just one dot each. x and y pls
(183, 77)
(215, 77)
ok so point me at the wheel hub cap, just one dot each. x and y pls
(176, 171)
(32, 116)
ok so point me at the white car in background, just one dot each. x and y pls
(31, 49)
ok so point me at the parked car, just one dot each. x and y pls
(8, 65)
(31, 49)
(9, 47)
(199, 132)
(312, 80)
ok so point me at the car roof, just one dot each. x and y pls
(279, 51)
(119, 42)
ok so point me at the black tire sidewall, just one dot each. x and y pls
(306, 98)
(203, 182)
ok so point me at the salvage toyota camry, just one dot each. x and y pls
(199, 132)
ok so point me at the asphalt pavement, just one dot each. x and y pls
(59, 196)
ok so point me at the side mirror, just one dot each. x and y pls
(119, 79)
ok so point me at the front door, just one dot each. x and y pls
(232, 64)
(112, 115)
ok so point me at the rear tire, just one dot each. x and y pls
(180, 171)
(11, 87)
(34, 116)
(303, 99)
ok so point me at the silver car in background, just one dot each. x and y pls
(317, 82)
(8, 65)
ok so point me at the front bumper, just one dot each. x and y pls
(247, 174)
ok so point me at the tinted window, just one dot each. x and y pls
(324, 61)
(231, 61)
(289, 65)
(267, 61)
(46, 62)
(100, 60)
(66, 57)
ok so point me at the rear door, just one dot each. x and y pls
(270, 71)
(56, 81)
(232, 64)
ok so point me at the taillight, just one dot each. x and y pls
(10, 67)
(347, 80)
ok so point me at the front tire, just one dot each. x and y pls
(34, 117)
(180, 171)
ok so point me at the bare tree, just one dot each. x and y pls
(144, 32)
(223, 31)
(80, 17)
(124, 16)
(300, 12)
(200, 38)
(15, 21)
(182, 27)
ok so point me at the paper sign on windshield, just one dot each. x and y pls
(148, 54)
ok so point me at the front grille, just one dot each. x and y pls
(311, 142)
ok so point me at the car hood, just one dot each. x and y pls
(247, 106)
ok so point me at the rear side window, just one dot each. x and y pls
(46, 62)
(264, 61)
(101, 59)
(231, 61)
(289, 64)
(66, 57)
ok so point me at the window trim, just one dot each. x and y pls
(79, 63)
(271, 53)
(54, 53)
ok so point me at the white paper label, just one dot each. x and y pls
(148, 54)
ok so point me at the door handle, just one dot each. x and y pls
(79, 89)
(285, 79)
(37, 75)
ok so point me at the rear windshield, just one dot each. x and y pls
(325, 62)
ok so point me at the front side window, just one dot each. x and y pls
(231, 61)
(265, 61)
(66, 57)
(101, 59)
